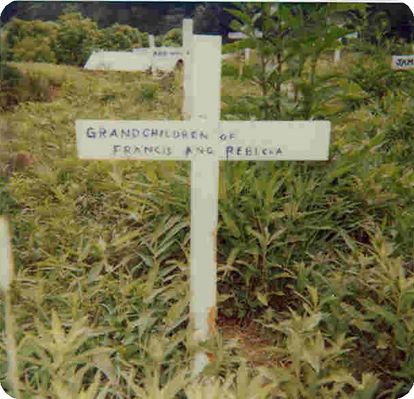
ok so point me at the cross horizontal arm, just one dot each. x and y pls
(187, 140)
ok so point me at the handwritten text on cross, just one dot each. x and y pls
(185, 140)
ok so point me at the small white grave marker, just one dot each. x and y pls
(338, 51)
(151, 41)
(337, 55)
(247, 53)
(204, 140)
(402, 62)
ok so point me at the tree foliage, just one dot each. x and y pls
(76, 39)
(68, 41)
(35, 49)
(173, 38)
(159, 17)
(294, 38)
(30, 40)
(120, 37)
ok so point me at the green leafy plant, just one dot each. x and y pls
(148, 92)
(173, 38)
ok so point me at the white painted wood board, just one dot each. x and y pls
(201, 138)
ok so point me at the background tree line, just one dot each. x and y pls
(60, 33)
(158, 18)
(71, 39)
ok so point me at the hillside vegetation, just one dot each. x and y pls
(315, 259)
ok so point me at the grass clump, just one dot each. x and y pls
(148, 92)
(19, 85)
(10, 79)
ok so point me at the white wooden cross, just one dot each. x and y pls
(204, 140)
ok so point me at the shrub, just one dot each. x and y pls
(35, 49)
(69, 41)
(18, 29)
(10, 76)
(376, 77)
(229, 70)
(158, 41)
(17, 87)
(76, 38)
(4, 48)
(248, 72)
(121, 37)
(30, 40)
(37, 87)
(144, 39)
(173, 38)
(10, 79)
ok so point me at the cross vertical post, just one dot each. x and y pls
(206, 75)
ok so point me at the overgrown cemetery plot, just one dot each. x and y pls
(315, 265)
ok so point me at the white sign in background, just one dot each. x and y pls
(141, 59)
(161, 58)
(402, 62)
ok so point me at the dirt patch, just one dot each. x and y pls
(253, 344)
(54, 91)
